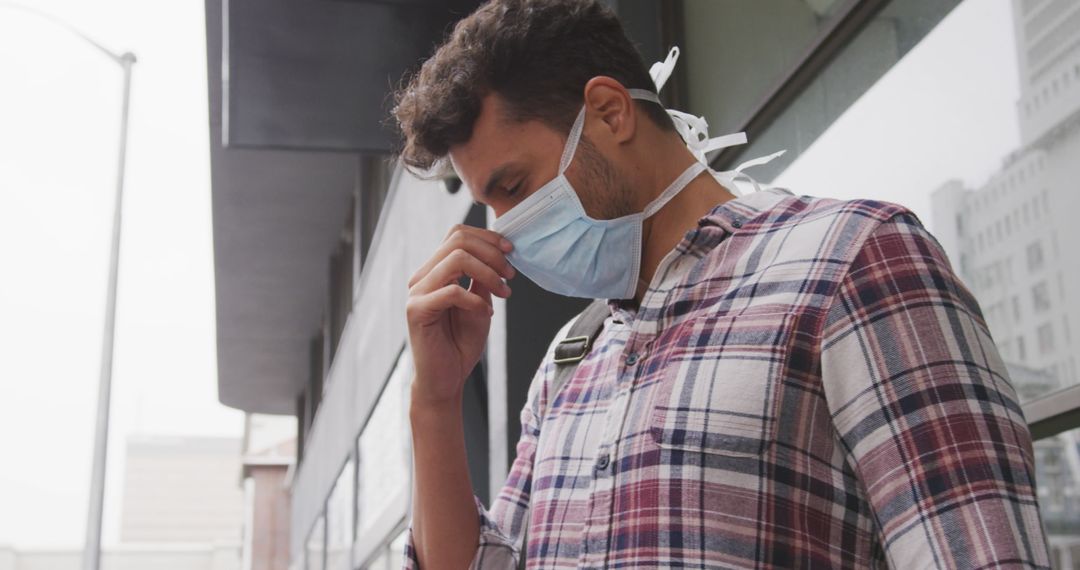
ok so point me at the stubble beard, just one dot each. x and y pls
(607, 194)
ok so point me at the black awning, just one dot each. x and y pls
(319, 74)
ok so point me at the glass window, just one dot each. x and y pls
(1045, 335)
(1040, 297)
(339, 518)
(753, 45)
(316, 545)
(1035, 256)
(383, 476)
(391, 556)
(381, 561)
(843, 100)
(925, 120)
(1057, 469)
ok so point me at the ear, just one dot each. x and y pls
(608, 101)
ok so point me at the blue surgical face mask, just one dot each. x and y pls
(563, 250)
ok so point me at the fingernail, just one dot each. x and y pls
(510, 272)
(505, 244)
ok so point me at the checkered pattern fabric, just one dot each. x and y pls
(806, 383)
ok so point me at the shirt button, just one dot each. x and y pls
(632, 359)
(736, 223)
(602, 462)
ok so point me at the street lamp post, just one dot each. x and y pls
(92, 550)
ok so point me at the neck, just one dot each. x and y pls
(665, 229)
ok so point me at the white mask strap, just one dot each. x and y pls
(572, 141)
(644, 95)
(759, 161)
(693, 130)
(674, 188)
(661, 70)
(574, 137)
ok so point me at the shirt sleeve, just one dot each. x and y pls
(925, 411)
(502, 528)
(495, 550)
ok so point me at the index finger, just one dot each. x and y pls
(484, 234)
(486, 245)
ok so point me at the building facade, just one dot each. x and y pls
(182, 509)
(269, 460)
(181, 489)
(1013, 237)
(317, 228)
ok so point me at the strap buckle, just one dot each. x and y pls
(565, 352)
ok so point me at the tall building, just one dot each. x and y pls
(1014, 242)
(182, 489)
(1048, 46)
(1014, 237)
(268, 461)
(182, 509)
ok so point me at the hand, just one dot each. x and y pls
(448, 324)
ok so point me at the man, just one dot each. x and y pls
(783, 381)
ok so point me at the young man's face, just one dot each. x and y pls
(507, 160)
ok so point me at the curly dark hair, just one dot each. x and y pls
(536, 54)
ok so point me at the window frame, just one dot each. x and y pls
(1053, 413)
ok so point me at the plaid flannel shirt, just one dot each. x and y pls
(806, 383)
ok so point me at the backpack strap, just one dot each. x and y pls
(568, 353)
(575, 347)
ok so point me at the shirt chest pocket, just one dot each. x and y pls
(720, 389)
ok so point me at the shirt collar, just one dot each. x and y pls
(729, 218)
(714, 227)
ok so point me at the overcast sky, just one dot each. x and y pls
(59, 122)
(946, 111)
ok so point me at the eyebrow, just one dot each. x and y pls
(496, 177)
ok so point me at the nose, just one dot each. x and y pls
(494, 212)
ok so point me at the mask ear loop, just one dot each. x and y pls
(674, 188)
(572, 141)
(574, 137)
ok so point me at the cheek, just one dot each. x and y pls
(604, 192)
